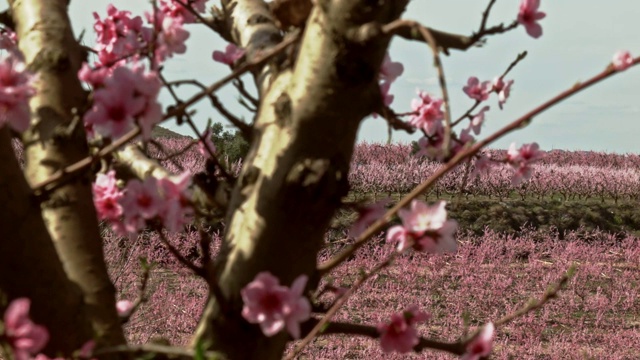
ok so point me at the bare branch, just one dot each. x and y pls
(446, 41)
(176, 254)
(245, 129)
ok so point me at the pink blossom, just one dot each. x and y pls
(400, 235)
(124, 307)
(87, 349)
(521, 160)
(477, 120)
(433, 147)
(425, 227)
(24, 337)
(400, 334)
(175, 10)
(390, 71)
(430, 226)
(129, 96)
(113, 112)
(274, 306)
(528, 15)
(428, 113)
(171, 36)
(503, 90)
(106, 196)
(15, 91)
(481, 345)
(141, 199)
(367, 215)
(176, 209)
(482, 165)
(387, 98)
(465, 138)
(119, 35)
(477, 90)
(94, 77)
(207, 144)
(230, 55)
(9, 41)
(622, 60)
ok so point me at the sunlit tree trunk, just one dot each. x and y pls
(296, 172)
(50, 50)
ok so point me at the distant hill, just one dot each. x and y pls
(160, 132)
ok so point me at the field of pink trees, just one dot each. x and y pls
(597, 316)
(379, 170)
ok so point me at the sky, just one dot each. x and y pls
(579, 40)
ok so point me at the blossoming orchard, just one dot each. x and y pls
(76, 140)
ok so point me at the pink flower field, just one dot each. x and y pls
(597, 315)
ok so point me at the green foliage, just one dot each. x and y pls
(230, 146)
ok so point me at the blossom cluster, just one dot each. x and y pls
(25, 338)
(129, 209)
(127, 96)
(521, 159)
(428, 116)
(16, 88)
(274, 306)
(122, 35)
(400, 333)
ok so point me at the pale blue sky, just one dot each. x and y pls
(580, 37)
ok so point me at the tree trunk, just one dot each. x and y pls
(46, 40)
(29, 265)
(296, 172)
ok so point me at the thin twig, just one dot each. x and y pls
(192, 125)
(245, 129)
(146, 270)
(239, 84)
(193, 267)
(458, 348)
(513, 64)
(341, 301)
(467, 114)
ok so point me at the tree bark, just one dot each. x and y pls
(295, 174)
(29, 264)
(50, 50)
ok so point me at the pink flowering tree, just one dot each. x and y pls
(84, 122)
